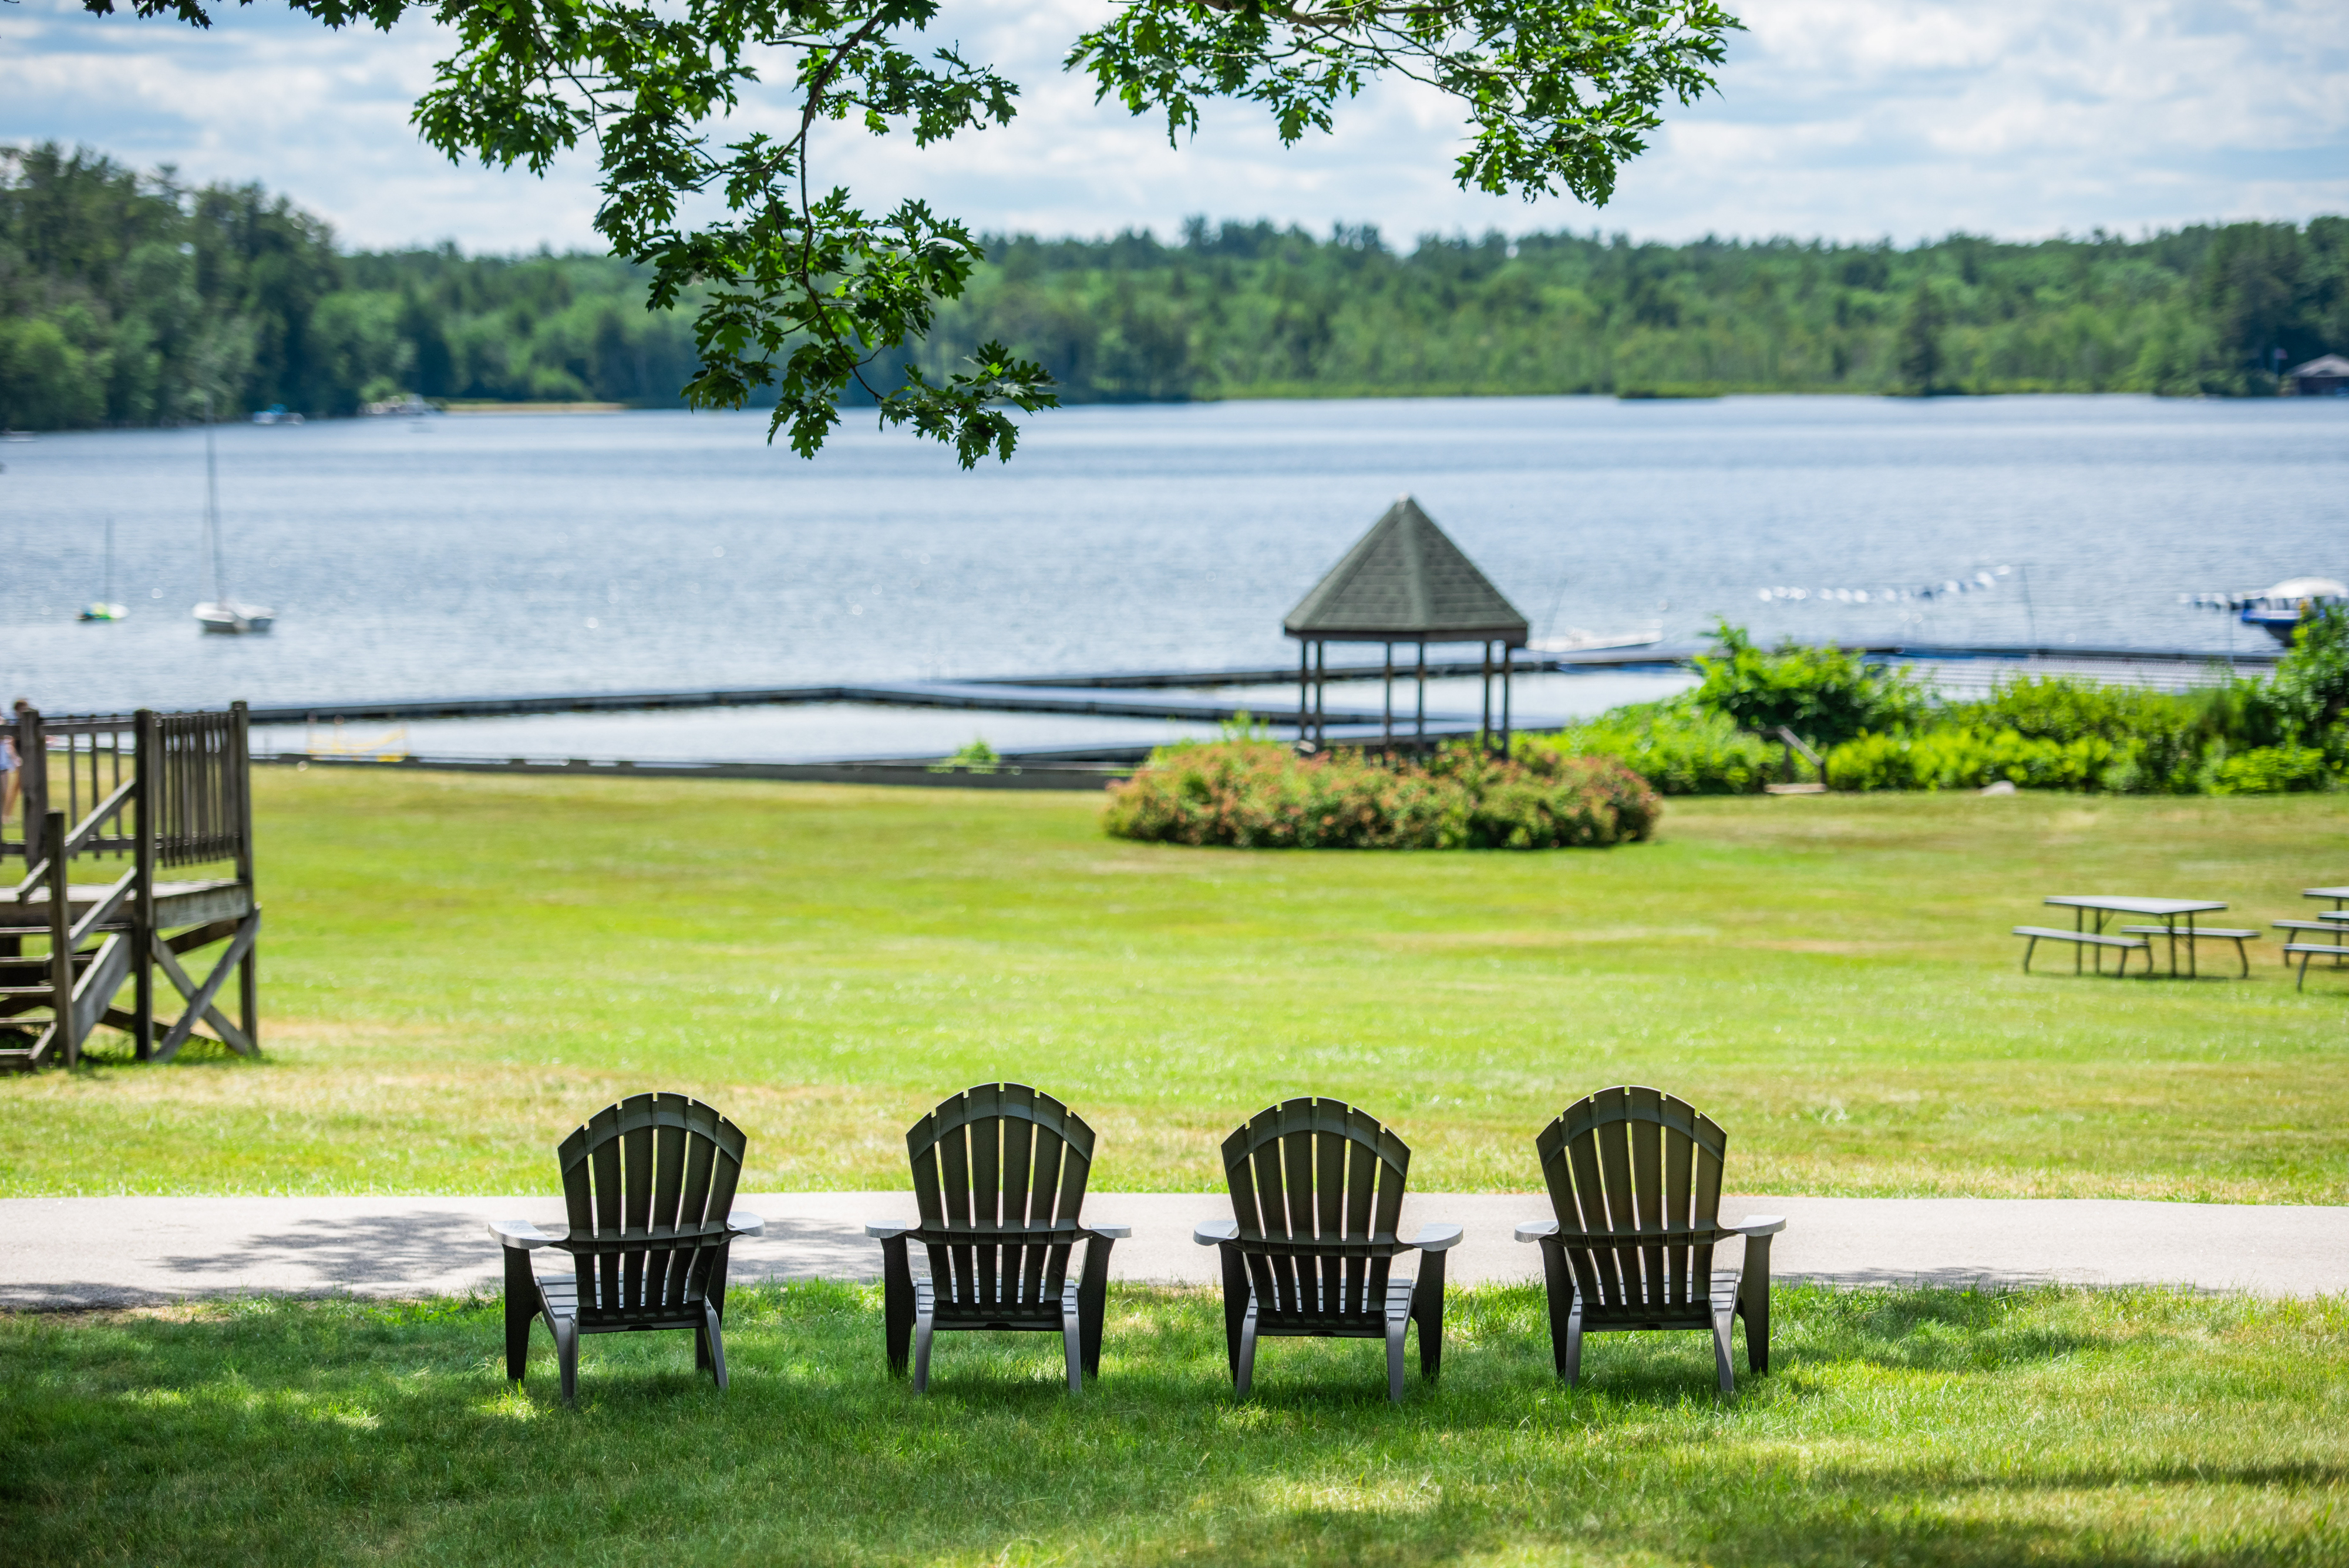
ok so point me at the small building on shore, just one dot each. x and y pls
(2327, 376)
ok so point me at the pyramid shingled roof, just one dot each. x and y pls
(1405, 581)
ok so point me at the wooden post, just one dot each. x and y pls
(1321, 692)
(1484, 721)
(1304, 672)
(1387, 738)
(1421, 721)
(33, 766)
(148, 765)
(61, 965)
(239, 780)
(1508, 671)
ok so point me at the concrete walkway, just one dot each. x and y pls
(122, 1252)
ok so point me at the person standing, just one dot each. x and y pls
(12, 762)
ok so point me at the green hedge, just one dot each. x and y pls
(1969, 759)
(1260, 794)
(1678, 746)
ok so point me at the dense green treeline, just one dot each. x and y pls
(127, 298)
(1252, 310)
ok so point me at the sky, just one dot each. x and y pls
(1844, 120)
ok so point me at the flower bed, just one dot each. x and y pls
(1260, 795)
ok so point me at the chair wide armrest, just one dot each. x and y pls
(890, 1230)
(742, 1223)
(1107, 1232)
(1437, 1237)
(1534, 1229)
(1216, 1232)
(520, 1233)
(1759, 1225)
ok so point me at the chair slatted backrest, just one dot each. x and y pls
(1636, 1163)
(1323, 1182)
(648, 1184)
(1000, 1174)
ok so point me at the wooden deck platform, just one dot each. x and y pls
(176, 904)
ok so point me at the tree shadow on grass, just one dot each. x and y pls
(352, 1420)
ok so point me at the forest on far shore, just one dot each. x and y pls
(126, 297)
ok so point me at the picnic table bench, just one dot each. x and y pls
(2085, 940)
(2104, 905)
(2334, 921)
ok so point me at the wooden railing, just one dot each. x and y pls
(195, 808)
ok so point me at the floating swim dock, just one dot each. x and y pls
(1166, 696)
(1081, 694)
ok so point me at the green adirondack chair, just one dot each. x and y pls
(648, 1185)
(1316, 1189)
(1634, 1177)
(1000, 1174)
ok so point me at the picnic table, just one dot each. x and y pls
(2169, 911)
(2339, 896)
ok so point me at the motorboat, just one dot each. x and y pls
(2279, 610)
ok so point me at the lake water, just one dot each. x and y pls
(537, 553)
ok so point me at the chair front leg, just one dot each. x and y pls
(1427, 1311)
(1753, 1302)
(1093, 1299)
(1239, 1312)
(713, 1334)
(1072, 1338)
(924, 1324)
(1722, 1315)
(1565, 1311)
(522, 1305)
(897, 1302)
(566, 1353)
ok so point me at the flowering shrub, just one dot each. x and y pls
(1257, 794)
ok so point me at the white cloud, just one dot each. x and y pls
(1845, 117)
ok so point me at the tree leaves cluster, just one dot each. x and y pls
(801, 288)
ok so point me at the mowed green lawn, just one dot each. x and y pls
(1918, 1428)
(457, 969)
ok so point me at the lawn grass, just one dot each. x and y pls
(2046, 1427)
(458, 968)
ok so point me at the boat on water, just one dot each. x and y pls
(1575, 640)
(2277, 610)
(103, 607)
(222, 614)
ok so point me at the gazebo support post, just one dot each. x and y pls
(1386, 739)
(1508, 673)
(1484, 718)
(1304, 684)
(1420, 719)
(1320, 692)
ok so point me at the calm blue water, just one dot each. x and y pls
(509, 553)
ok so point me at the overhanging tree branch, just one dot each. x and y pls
(810, 294)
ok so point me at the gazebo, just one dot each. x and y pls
(1404, 582)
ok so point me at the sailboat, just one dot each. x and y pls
(105, 608)
(220, 613)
